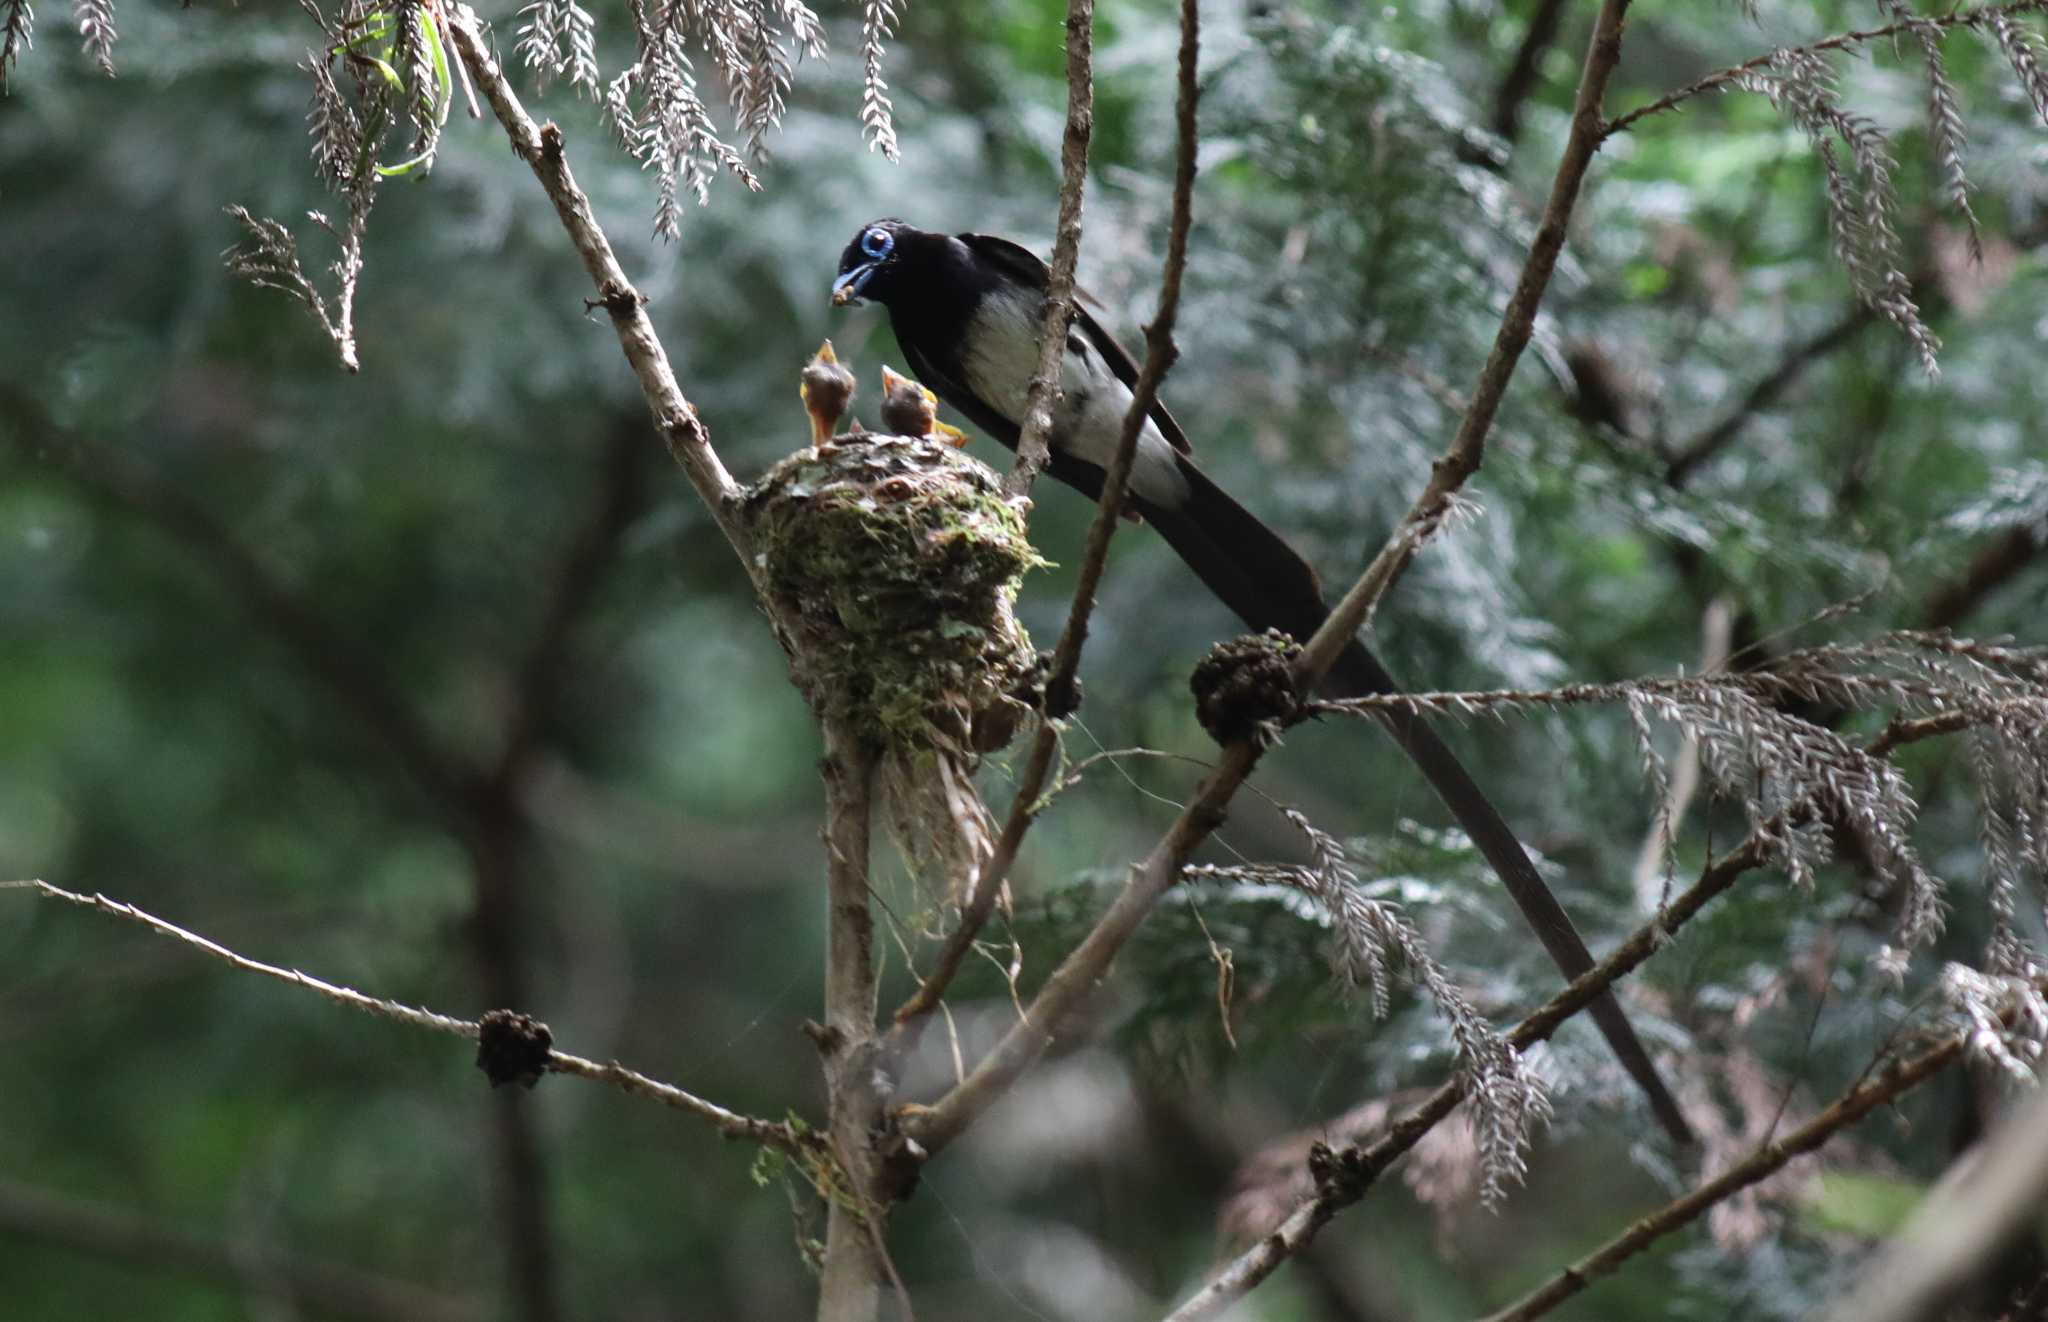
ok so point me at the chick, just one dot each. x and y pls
(908, 409)
(826, 389)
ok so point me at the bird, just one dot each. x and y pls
(826, 388)
(910, 409)
(968, 309)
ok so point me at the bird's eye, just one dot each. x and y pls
(877, 242)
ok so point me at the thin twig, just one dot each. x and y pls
(1760, 1165)
(730, 1123)
(1160, 353)
(1468, 448)
(1033, 441)
(1068, 985)
(1723, 77)
(1687, 457)
(1985, 1200)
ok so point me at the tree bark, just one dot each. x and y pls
(850, 1288)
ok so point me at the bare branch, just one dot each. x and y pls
(1343, 1177)
(1995, 564)
(674, 416)
(1050, 1010)
(1375, 937)
(1039, 399)
(1468, 447)
(1851, 1107)
(1990, 1193)
(731, 1124)
(1710, 441)
(856, 1260)
(1160, 353)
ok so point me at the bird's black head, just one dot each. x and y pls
(869, 266)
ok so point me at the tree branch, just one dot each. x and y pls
(540, 146)
(1160, 353)
(1043, 394)
(1988, 1195)
(1084, 966)
(1353, 1170)
(856, 1259)
(1468, 447)
(1766, 1161)
(729, 1123)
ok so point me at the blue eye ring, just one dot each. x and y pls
(877, 242)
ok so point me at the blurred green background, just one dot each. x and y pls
(436, 681)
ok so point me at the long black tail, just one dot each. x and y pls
(1255, 573)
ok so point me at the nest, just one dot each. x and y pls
(895, 562)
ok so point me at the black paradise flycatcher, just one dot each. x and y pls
(967, 310)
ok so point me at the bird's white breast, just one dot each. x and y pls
(999, 357)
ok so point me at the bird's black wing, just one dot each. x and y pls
(1021, 263)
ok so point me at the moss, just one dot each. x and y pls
(898, 562)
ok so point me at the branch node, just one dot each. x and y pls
(1245, 688)
(615, 296)
(513, 1048)
(1059, 690)
(1329, 1168)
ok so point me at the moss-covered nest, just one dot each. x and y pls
(898, 561)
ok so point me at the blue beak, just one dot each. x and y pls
(846, 289)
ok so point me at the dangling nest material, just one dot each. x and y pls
(896, 562)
